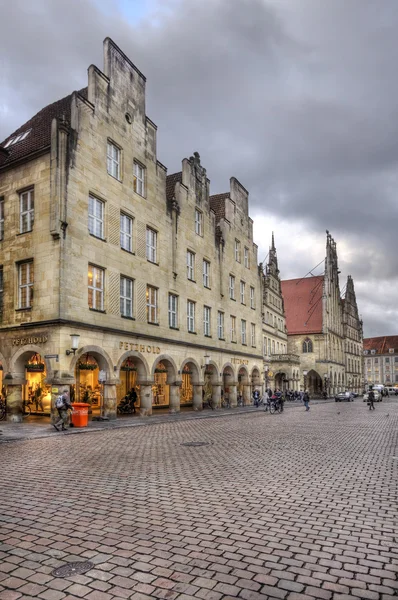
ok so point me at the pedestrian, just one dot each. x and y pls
(63, 406)
(306, 400)
(371, 399)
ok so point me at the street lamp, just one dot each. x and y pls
(75, 337)
(305, 373)
(207, 360)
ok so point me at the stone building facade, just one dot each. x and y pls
(380, 357)
(281, 369)
(323, 330)
(158, 279)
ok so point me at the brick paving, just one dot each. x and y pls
(298, 506)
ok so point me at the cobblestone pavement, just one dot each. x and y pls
(298, 506)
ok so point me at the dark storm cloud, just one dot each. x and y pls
(298, 100)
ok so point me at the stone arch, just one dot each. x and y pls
(17, 361)
(314, 382)
(143, 371)
(243, 375)
(255, 375)
(3, 363)
(228, 367)
(196, 372)
(103, 359)
(170, 366)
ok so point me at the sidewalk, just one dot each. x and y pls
(42, 428)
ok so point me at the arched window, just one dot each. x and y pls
(307, 345)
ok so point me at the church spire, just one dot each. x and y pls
(273, 259)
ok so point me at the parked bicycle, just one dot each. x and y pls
(225, 403)
(240, 401)
(208, 403)
(26, 408)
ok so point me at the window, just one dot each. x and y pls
(220, 325)
(373, 351)
(269, 347)
(96, 287)
(173, 311)
(387, 360)
(391, 350)
(376, 361)
(151, 304)
(206, 320)
(27, 211)
(198, 222)
(232, 287)
(190, 265)
(126, 232)
(242, 292)
(264, 346)
(113, 160)
(233, 329)
(246, 258)
(139, 179)
(243, 331)
(126, 297)
(273, 346)
(206, 273)
(25, 284)
(17, 138)
(151, 245)
(252, 303)
(191, 316)
(96, 217)
(237, 250)
(253, 334)
(1, 219)
(307, 346)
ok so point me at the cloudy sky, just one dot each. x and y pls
(298, 99)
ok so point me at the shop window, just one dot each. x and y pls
(26, 210)
(96, 211)
(88, 388)
(186, 386)
(161, 389)
(139, 179)
(152, 304)
(173, 311)
(151, 245)
(113, 154)
(206, 320)
(126, 232)
(307, 346)
(96, 277)
(36, 394)
(128, 386)
(25, 284)
(1, 218)
(126, 296)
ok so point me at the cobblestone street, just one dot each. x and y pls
(298, 506)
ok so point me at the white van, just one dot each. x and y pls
(393, 391)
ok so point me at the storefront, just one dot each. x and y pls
(36, 393)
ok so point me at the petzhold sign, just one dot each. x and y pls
(34, 339)
(139, 348)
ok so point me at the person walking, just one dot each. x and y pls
(371, 399)
(306, 400)
(63, 407)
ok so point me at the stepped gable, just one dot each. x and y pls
(303, 304)
(217, 203)
(171, 181)
(39, 128)
(381, 344)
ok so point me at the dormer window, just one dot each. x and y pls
(373, 351)
(366, 351)
(391, 350)
(17, 138)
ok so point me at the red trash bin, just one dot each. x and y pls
(80, 414)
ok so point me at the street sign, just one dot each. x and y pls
(52, 356)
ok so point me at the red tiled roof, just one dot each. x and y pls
(40, 130)
(217, 203)
(303, 304)
(381, 344)
(171, 181)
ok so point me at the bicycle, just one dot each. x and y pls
(275, 406)
(208, 403)
(3, 409)
(26, 409)
(225, 403)
(240, 401)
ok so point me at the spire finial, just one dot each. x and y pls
(273, 242)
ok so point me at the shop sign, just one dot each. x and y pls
(39, 339)
(143, 348)
(239, 361)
